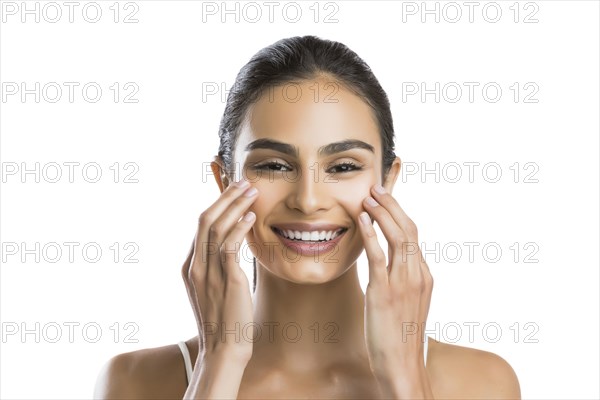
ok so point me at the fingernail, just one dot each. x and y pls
(242, 183)
(249, 216)
(379, 189)
(364, 218)
(250, 192)
(371, 201)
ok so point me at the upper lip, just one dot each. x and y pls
(308, 227)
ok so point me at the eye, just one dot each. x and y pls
(344, 167)
(271, 166)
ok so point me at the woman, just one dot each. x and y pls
(306, 164)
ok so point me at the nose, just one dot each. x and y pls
(310, 192)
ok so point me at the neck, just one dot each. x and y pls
(304, 324)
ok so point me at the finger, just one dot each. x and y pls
(203, 248)
(410, 249)
(234, 275)
(236, 286)
(394, 235)
(418, 275)
(221, 228)
(210, 215)
(230, 249)
(389, 203)
(377, 262)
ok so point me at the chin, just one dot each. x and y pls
(305, 270)
(307, 273)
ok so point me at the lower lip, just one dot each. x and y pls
(311, 249)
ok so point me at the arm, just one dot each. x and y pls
(412, 384)
(397, 299)
(219, 293)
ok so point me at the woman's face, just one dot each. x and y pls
(287, 150)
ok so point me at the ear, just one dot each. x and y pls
(392, 176)
(218, 168)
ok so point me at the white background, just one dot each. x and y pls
(171, 135)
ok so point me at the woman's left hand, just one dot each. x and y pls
(397, 300)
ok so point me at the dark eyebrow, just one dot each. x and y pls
(349, 144)
(331, 148)
(273, 145)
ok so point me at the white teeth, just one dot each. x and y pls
(313, 236)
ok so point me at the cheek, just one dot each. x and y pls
(269, 195)
(350, 195)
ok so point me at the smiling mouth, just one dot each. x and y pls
(309, 237)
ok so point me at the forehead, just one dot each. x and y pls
(310, 114)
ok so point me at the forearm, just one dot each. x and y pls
(413, 384)
(216, 377)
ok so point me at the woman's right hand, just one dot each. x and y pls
(217, 287)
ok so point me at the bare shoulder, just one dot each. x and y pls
(459, 372)
(142, 374)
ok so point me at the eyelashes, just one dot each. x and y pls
(347, 167)
(343, 167)
(267, 166)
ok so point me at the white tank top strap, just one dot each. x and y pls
(187, 360)
(425, 343)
